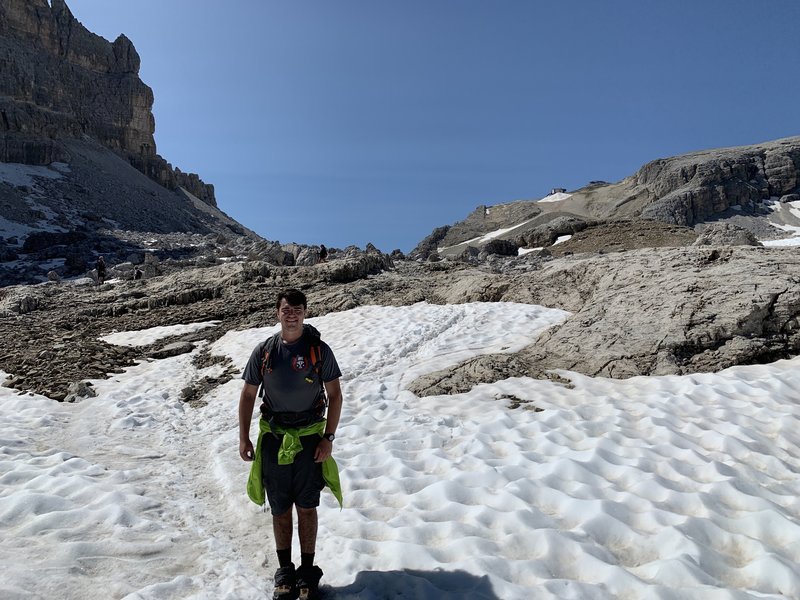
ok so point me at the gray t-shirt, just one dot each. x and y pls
(292, 385)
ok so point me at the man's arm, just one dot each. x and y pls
(334, 392)
(247, 400)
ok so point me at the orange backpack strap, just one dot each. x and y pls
(316, 363)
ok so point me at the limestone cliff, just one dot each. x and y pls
(59, 80)
(695, 187)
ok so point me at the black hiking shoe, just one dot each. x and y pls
(308, 582)
(285, 583)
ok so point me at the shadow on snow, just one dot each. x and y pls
(413, 585)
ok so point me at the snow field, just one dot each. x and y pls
(651, 487)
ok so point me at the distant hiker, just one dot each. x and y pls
(323, 253)
(137, 273)
(292, 460)
(100, 265)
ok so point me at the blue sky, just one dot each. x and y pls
(353, 121)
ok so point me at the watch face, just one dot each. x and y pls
(329, 436)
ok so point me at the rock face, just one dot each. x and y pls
(694, 187)
(76, 124)
(546, 234)
(727, 184)
(49, 62)
(675, 311)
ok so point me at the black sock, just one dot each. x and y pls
(285, 557)
(306, 560)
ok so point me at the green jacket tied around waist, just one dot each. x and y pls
(290, 446)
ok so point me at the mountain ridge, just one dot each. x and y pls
(736, 184)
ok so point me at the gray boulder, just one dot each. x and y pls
(273, 253)
(726, 234)
(80, 390)
(501, 247)
(307, 257)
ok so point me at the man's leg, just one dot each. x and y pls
(308, 575)
(285, 577)
(309, 476)
(306, 529)
(282, 528)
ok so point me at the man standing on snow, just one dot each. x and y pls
(292, 459)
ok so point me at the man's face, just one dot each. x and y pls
(291, 319)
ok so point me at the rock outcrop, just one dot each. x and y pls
(726, 234)
(453, 240)
(548, 233)
(728, 184)
(695, 187)
(59, 80)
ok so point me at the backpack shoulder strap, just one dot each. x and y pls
(266, 350)
(266, 362)
(315, 350)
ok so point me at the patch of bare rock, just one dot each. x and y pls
(631, 234)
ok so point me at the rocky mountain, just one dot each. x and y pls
(59, 80)
(79, 170)
(744, 186)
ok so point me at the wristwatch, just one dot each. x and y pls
(329, 436)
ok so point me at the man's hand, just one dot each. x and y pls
(324, 449)
(247, 400)
(246, 450)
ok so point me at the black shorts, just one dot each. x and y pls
(299, 483)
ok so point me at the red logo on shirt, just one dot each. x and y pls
(299, 363)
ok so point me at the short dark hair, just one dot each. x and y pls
(293, 297)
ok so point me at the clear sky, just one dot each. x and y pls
(353, 121)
